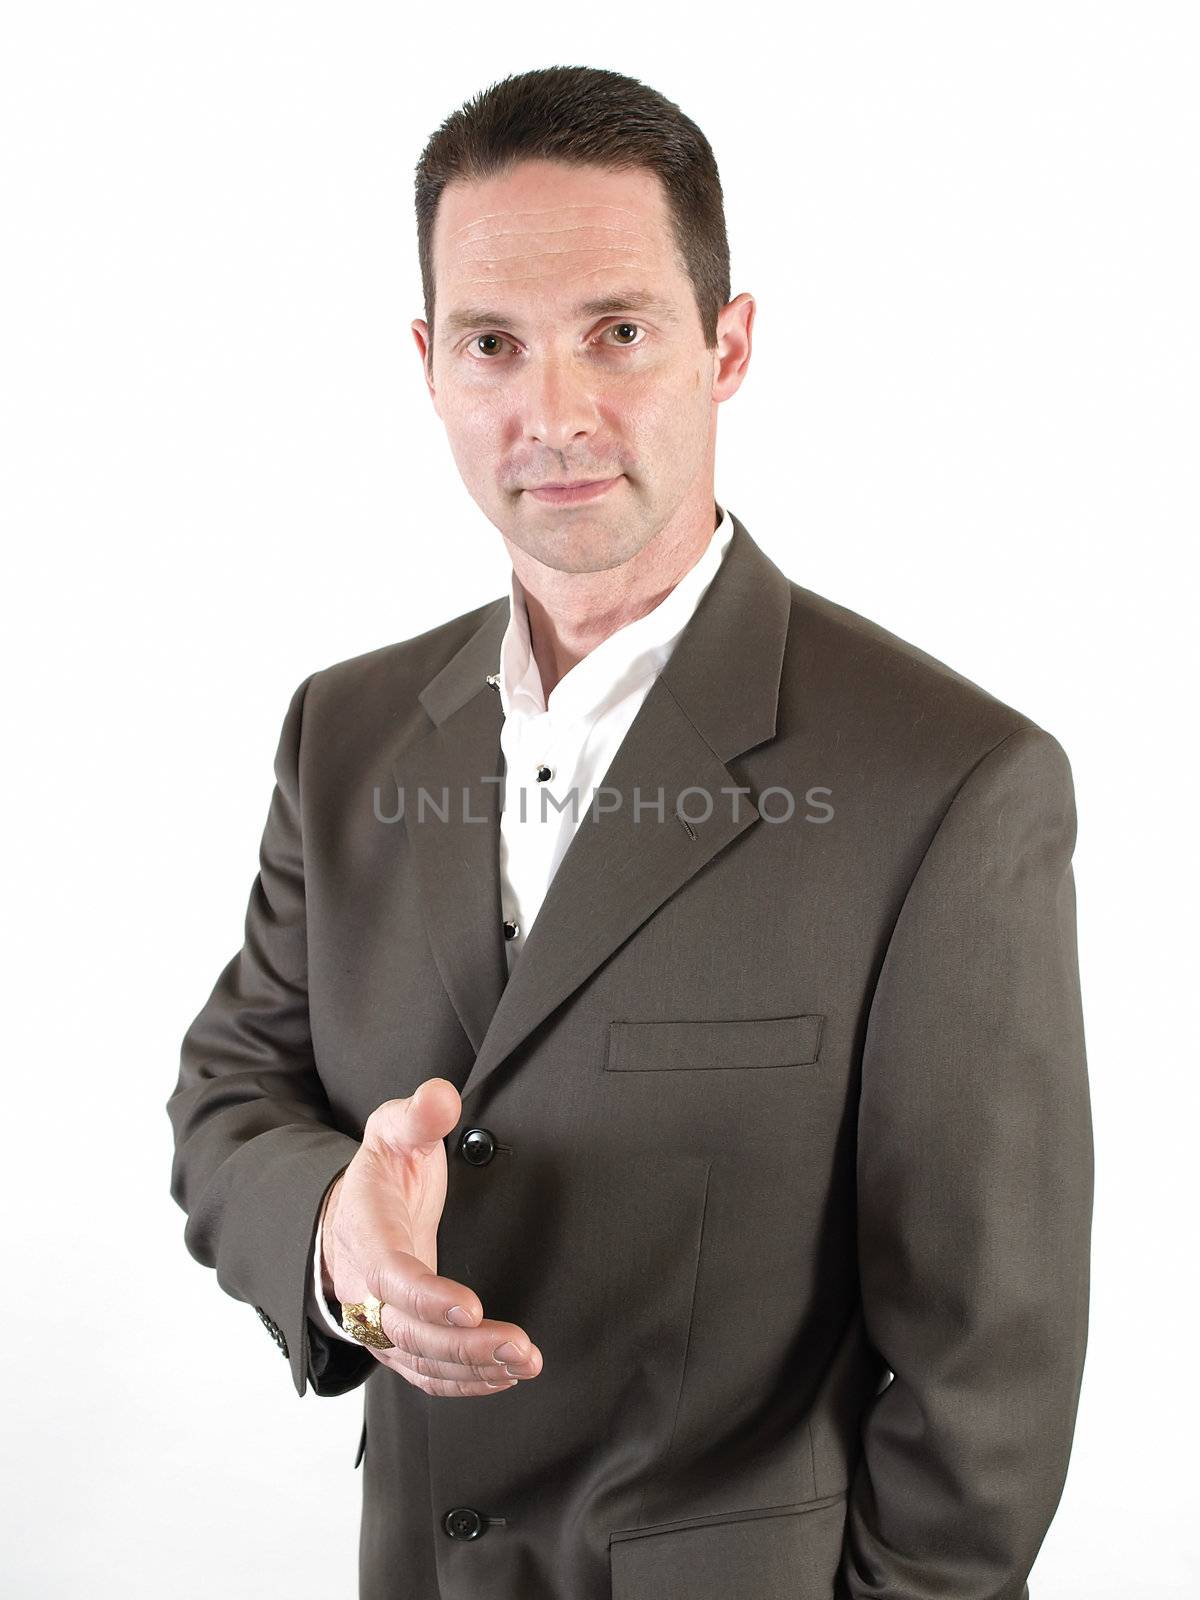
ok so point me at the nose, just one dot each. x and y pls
(559, 407)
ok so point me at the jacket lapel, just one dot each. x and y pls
(457, 863)
(715, 698)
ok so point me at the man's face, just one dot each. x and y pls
(568, 347)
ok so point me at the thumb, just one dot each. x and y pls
(422, 1119)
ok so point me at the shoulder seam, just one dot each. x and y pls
(1025, 725)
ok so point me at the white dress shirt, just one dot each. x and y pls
(575, 735)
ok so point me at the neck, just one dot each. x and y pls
(570, 613)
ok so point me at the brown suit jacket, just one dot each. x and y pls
(780, 1142)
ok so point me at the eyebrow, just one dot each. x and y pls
(468, 317)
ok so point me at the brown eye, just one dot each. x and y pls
(485, 337)
(624, 327)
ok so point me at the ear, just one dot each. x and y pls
(735, 323)
(420, 331)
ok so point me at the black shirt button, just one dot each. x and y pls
(463, 1523)
(544, 772)
(511, 930)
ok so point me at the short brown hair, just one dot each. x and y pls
(585, 116)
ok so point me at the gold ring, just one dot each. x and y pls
(362, 1321)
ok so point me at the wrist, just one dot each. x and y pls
(328, 1212)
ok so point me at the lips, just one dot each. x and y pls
(573, 493)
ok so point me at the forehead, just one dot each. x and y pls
(546, 230)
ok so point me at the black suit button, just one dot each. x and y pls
(511, 929)
(463, 1523)
(273, 1329)
(477, 1146)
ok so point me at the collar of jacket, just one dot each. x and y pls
(715, 698)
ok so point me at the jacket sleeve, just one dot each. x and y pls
(256, 1147)
(975, 1196)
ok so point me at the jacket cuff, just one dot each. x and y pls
(276, 1186)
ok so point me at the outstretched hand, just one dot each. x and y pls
(379, 1237)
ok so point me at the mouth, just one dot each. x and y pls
(571, 494)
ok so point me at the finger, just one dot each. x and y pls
(405, 1282)
(477, 1350)
(494, 1372)
(451, 1388)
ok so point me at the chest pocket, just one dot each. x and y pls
(735, 1043)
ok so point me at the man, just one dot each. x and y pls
(701, 1177)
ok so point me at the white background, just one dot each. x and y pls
(971, 415)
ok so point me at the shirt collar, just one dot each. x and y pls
(619, 663)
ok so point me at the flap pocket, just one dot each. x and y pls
(741, 1042)
(793, 1551)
